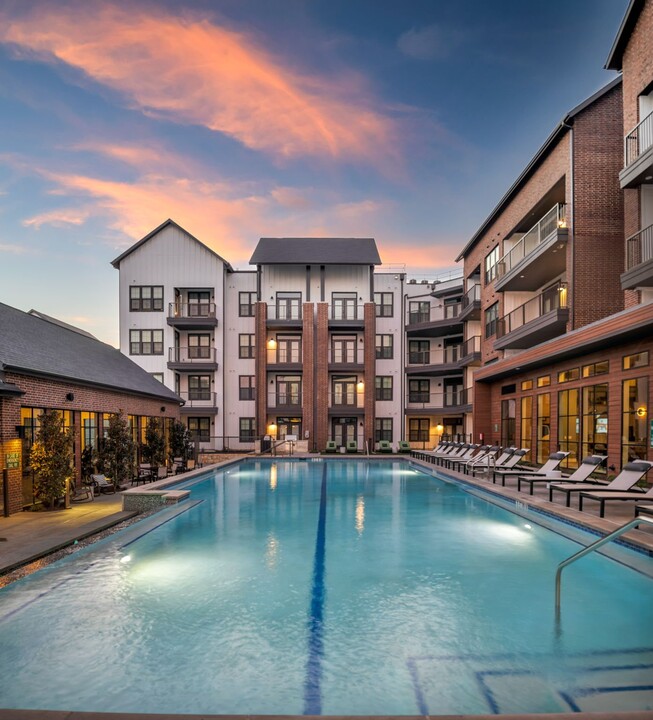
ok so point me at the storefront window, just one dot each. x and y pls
(595, 420)
(635, 419)
(526, 430)
(507, 423)
(543, 448)
(569, 425)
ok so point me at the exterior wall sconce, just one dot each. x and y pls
(272, 429)
(272, 344)
(360, 386)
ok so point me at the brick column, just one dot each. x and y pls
(10, 444)
(322, 375)
(369, 352)
(308, 377)
(261, 367)
(481, 412)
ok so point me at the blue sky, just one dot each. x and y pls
(405, 121)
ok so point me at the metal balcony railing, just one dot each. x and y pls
(639, 247)
(422, 400)
(346, 311)
(433, 313)
(199, 309)
(199, 398)
(348, 398)
(471, 296)
(284, 356)
(285, 311)
(638, 140)
(553, 298)
(470, 346)
(191, 354)
(285, 399)
(450, 354)
(555, 218)
(346, 355)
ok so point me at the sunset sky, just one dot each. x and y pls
(403, 120)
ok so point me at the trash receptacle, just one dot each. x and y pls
(266, 443)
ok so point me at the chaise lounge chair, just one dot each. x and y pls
(549, 466)
(631, 473)
(331, 446)
(468, 453)
(103, 484)
(385, 446)
(580, 474)
(603, 496)
(481, 460)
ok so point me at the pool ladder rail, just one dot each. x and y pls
(590, 548)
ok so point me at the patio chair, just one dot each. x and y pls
(385, 446)
(498, 461)
(161, 473)
(456, 463)
(190, 465)
(403, 446)
(331, 446)
(643, 509)
(580, 474)
(84, 491)
(466, 453)
(549, 466)
(631, 473)
(103, 484)
(481, 459)
(352, 446)
(605, 495)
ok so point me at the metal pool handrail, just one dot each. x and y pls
(590, 548)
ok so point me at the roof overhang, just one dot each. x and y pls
(614, 61)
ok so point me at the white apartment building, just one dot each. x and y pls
(318, 341)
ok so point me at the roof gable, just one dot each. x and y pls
(316, 251)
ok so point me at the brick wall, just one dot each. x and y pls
(369, 345)
(322, 375)
(308, 383)
(261, 354)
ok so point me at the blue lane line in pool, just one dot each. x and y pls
(419, 693)
(313, 679)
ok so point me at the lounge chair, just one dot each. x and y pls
(403, 446)
(352, 446)
(643, 509)
(580, 474)
(458, 452)
(631, 473)
(603, 496)
(468, 454)
(81, 492)
(190, 465)
(331, 446)
(103, 484)
(385, 446)
(549, 466)
(482, 460)
(456, 463)
(498, 461)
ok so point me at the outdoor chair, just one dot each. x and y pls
(84, 491)
(549, 466)
(385, 446)
(483, 459)
(496, 461)
(103, 484)
(352, 446)
(331, 446)
(456, 463)
(580, 474)
(403, 446)
(605, 495)
(631, 473)
(190, 465)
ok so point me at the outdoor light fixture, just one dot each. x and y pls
(272, 344)
(360, 386)
(641, 411)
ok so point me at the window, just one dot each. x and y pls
(544, 381)
(383, 387)
(343, 349)
(384, 304)
(199, 346)
(491, 265)
(247, 387)
(289, 426)
(384, 346)
(418, 430)
(246, 303)
(419, 352)
(635, 361)
(419, 311)
(247, 429)
(199, 387)
(289, 306)
(419, 391)
(343, 306)
(491, 320)
(527, 385)
(382, 429)
(157, 376)
(597, 368)
(199, 304)
(199, 428)
(344, 390)
(146, 342)
(146, 298)
(543, 444)
(635, 419)
(508, 389)
(568, 375)
(569, 425)
(508, 423)
(526, 430)
(246, 346)
(289, 390)
(594, 431)
(289, 349)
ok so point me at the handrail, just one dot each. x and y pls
(273, 447)
(590, 548)
(638, 140)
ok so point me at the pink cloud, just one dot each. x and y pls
(58, 218)
(190, 70)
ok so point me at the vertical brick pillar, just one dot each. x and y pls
(322, 375)
(481, 412)
(369, 353)
(77, 444)
(10, 444)
(308, 378)
(261, 355)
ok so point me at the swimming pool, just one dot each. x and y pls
(328, 587)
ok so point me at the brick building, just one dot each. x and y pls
(46, 364)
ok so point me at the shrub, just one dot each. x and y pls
(51, 458)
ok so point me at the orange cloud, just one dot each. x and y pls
(193, 71)
(57, 218)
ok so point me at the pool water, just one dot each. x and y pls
(328, 587)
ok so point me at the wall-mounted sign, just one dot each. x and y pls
(12, 460)
(650, 442)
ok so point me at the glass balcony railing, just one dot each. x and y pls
(346, 311)
(553, 298)
(638, 140)
(639, 248)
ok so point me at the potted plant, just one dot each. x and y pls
(51, 458)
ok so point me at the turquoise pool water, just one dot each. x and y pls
(328, 587)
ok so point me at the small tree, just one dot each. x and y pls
(180, 444)
(87, 462)
(51, 458)
(154, 450)
(116, 451)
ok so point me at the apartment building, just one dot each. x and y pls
(318, 342)
(563, 269)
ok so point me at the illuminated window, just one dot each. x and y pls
(568, 375)
(635, 361)
(544, 381)
(527, 385)
(597, 368)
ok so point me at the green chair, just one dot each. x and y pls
(331, 446)
(385, 446)
(403, 446)
(352, 446)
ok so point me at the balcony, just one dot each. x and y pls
(470, 306)
(435, 362)
(639, 260)
(285, 359)
(287, 401)
(434, 321)
(347, 359)
(428, 403)
(346, 316)
(197, 401)
(347, 403)
(638, 155)
(192, 316)
(284, 315)
(541, 318)
(470, 352)
(192, 359)
(538, 256)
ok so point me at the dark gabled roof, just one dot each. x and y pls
(626, 28)
(316, 251)
(142, 241)
(563, 126)
(31, 345)
(61, 323)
